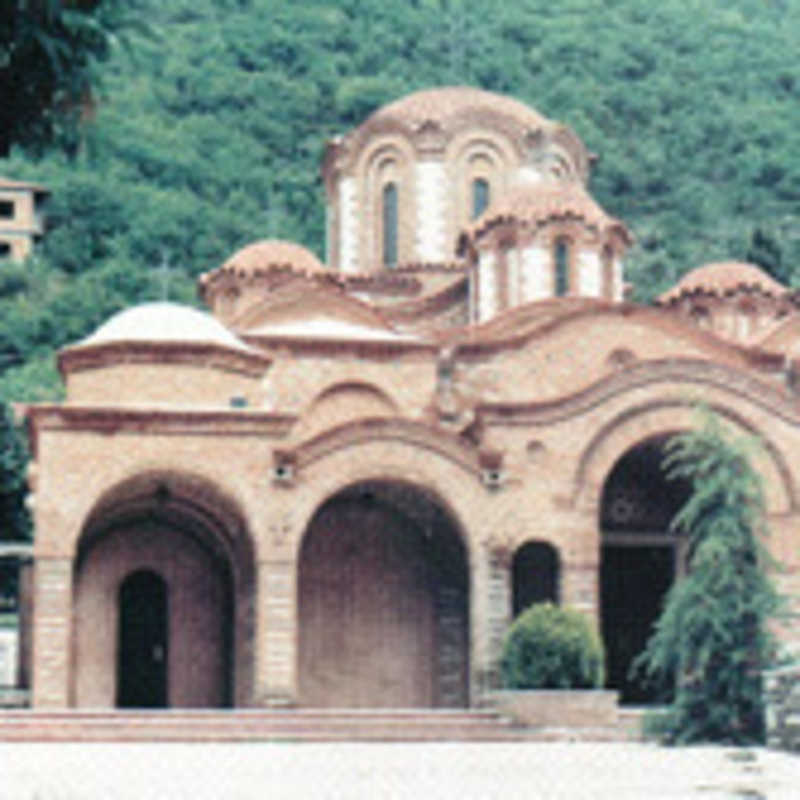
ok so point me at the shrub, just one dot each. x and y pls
(549, 647)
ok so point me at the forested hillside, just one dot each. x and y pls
(208, 130)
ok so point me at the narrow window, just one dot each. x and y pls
(608, 273)
(480, 196)
(390, 225)
(6, 209)
(562, 268)
(5, 249)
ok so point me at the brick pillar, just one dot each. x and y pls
(580, 587)
(276, 634)
(491, 614)
(52, 632)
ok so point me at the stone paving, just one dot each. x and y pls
(279, 771)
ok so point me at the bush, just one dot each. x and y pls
(549, 647)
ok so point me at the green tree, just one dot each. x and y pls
(47, 51)
(712, 641)
(14, 518)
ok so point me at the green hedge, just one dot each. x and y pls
(549, 647)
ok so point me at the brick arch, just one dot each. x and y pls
(189, 530)
(342, 402)
(389, 158)
(390, 461)
(638, 424)
(383, 594)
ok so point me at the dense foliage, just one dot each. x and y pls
(14, 518)
(208, 129)
(712, 641)
(550, 647)
(48, 52)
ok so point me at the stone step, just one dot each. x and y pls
(318, 725)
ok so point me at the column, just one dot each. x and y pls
(276, 634)
(52, 632)
(491, 614)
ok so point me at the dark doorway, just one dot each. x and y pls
(633, 582)
(640, 559)
(535, 575)
(142, 642)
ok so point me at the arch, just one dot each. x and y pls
(641, 554)
(388, 161)
(341, 403)
(638, 423)
(535, 571)
(382, 601)
(187, 531)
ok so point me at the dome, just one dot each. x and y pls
(538, 202)
(446, 103)
(724, 277)
(163, 322)
(271, 255)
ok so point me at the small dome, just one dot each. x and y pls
(271, 255)
(722, 278)
(450, 102)
(536, 202)
(163, 322)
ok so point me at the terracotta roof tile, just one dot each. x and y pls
(539, 202)
(269, 255)
(724, 277)
(447, 102)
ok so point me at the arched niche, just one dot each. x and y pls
(190, 535)
(383, 601)
(535, 572)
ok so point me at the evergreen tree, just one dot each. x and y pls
(711, 642)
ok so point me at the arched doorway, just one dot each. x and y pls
(163, 595)
(142, 641)
(535, 574)
(641, 557)
(383, 602)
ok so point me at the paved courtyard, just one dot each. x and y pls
(563, 771)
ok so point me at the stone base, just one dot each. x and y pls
(557, 708)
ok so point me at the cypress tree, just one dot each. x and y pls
(712, 641)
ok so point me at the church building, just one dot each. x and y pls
(338, 485)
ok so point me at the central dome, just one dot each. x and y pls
(450, 102)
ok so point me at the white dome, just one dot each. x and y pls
(164, 322)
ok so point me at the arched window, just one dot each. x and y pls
(562, 268)
(480, 196)
(535, 575)
(390, 225)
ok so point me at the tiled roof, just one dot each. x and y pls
(447, 102)
(724, 277)
(536, 202)
(270, 255)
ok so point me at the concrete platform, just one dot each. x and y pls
(420, 771)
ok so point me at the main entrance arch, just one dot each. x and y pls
(383, 602)
(641, 556)
(163, 594)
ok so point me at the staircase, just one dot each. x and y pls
(296, 725)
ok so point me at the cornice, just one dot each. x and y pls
(770, 397)
(211, 356)
(155, 421)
